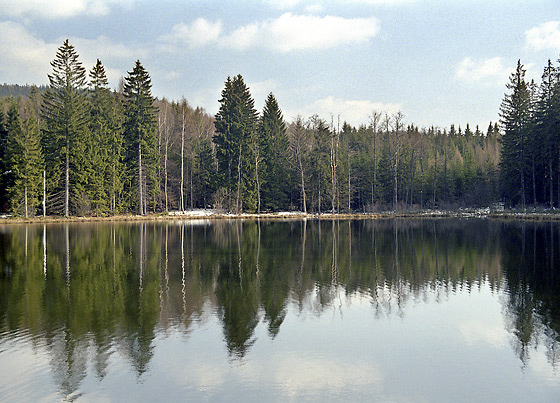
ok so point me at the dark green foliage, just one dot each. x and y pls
(236, 126)
(274, 145)
(531, 144)
(515, 115)
(141, 138)
(107, 153)
(24, 162)
(104, 145)
(66, 114)
(3, 164)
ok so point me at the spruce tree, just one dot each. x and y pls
(25, 162)
(104, 144)
(65, 113)
(274, 150)
(515, 118)
(545, 124)
(141, 135)
(3, 163)
(236, 124)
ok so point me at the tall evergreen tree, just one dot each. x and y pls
(99, 142)
(25, 162)
(545, 125)
(236, 124)
(141, 135)
(3, 163)
(66, 116)
(515, 118)
(274, 144)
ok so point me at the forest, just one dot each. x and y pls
(79, 148)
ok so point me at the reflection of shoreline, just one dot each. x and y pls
(137, 278)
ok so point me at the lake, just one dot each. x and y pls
(436, 310)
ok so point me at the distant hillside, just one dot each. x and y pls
(16, 90)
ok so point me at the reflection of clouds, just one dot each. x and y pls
(207, 377)
(540, 366)
(297, 374)
(475, 331)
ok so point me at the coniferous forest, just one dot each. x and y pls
(77, 147)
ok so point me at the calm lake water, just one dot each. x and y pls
(390, 311)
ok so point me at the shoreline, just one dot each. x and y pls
(544, 215)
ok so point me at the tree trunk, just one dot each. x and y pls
(551, 183)
(165, 173)
(435, 178)
(140, 194)
(44, 193)
(333, 174)
(258, 184)
(302, 185)
(182, 202)
(239, 204)
(67, 182)
(349, 185)
(25, 200)
(395, 180)
(421, 182)
(534, 180)
(191, 189)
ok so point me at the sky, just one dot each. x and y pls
(439, 62)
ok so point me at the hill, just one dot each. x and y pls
(16, 90)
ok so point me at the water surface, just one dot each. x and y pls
(392, 310)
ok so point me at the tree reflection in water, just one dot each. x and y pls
(110, 288)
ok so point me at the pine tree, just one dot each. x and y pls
(141, 135)
(66, 116)
(25, 161)
(515, 118)
(236, 124)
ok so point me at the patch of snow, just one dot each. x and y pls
(194, 213)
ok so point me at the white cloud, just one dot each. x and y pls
(297, 373)
(51, 9)
(489, 70)
(290, 4)
(260, 90)
(545, 36)
(299, 32)
(199, 33)
(382, 2)
(284, 34)
(355, 112)
(283, 4)
(314, 8)
(476, 331)
(103, 48)
(107, 51)
(25, 58)
(244, 37)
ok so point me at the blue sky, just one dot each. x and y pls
(438, 62)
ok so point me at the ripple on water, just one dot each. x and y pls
(24, 368)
